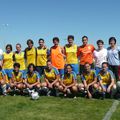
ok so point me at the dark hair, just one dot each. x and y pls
(84, 37)
(16, 65)
(112, 39)
(41, 39)
(18, 44)
(105, 63)
(56, 39)
(100, 41)
(70, 37)
(66, 73)
(31, 64)
(86, 63)
(9, 45)
(68, 65)
(49, 61)
(29, 40)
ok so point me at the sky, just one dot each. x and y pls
(21, 20)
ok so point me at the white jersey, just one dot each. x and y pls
(100, 56)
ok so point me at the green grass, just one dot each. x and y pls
(52, 108)
(116, 114)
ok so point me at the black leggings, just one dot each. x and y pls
(115, 70)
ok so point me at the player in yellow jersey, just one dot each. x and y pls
(51, 78)
(8, 60)
(32, 78)
(42, 55)
(68, 83)
(16, 81)
(30, 53)
(71, 54)
(4, 86)
(19, 57)
(89, 80)
(106, 80)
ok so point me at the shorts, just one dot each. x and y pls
(40, 69)
(9, 72)
(61, 72)
(97, 69)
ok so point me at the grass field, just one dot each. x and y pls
(53, 108)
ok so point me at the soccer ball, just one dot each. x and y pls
(34, 95)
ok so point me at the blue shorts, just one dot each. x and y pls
(97, 69)
(9, 72)
(24, 72)
(105, 86)
(75, 68)
(61, 72)
(40, 70)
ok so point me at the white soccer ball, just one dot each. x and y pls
(34, 95)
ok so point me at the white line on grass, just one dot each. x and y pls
(112, 109)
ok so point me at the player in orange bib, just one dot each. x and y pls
(85, 53)
(57, 56)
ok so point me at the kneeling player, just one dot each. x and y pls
(4, 86)
(32, 78)
(89, 80)
(16, 80)
(51, 78)
(106, 80)
(68, 83)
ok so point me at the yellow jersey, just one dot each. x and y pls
(41, 57)
(8, 60)
(106, 77)
(51, 75)
(71, 54)
(31, 79)
(18, 77)
(19, 58)
(67, 80)
(89, 77)
(30, 55)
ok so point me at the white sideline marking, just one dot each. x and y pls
(112, 109)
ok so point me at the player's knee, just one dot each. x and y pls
(44, 84)
(57, 84)
(74, 89)
(2, 82)
(60, 88)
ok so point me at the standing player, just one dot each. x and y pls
(30, 53)
(8, 60)
(114, 57)
(57, 56)
(100, 56)
(42, 55)
(85, 53)
(19, 57)
(71, 54)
